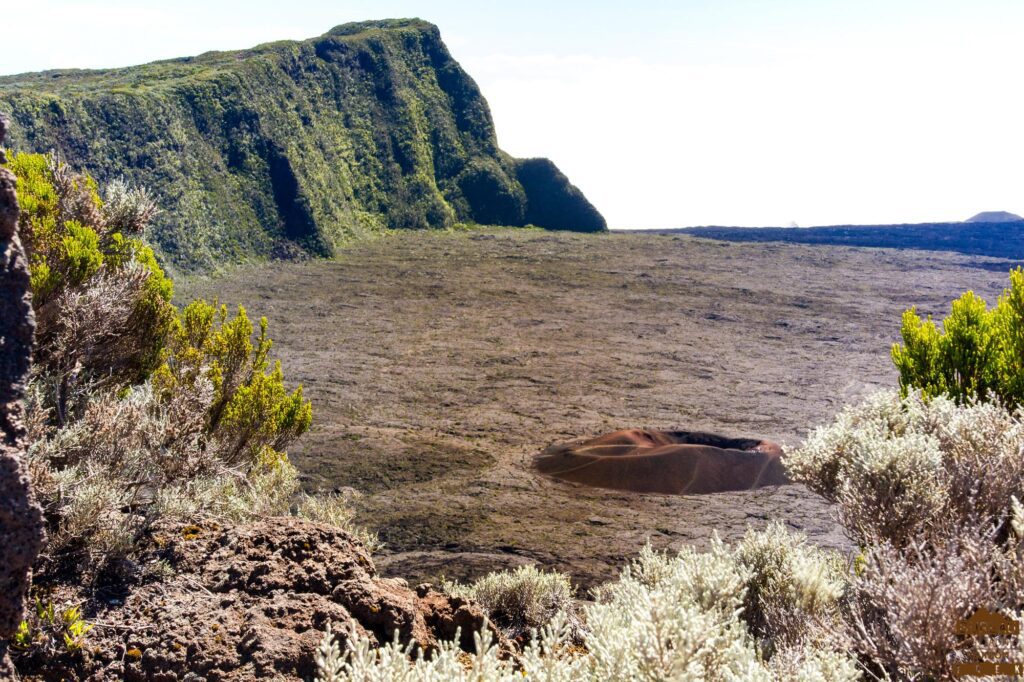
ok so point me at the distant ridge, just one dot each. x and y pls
(994, 217)
(995, 239)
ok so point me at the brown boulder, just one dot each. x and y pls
(251, 602)
(671, 462)
(21, 523)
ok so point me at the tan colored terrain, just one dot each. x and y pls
(439, 364)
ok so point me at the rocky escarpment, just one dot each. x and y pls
(249, 602)
(294, 147)
(21, 526)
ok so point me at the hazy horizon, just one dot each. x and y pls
(672, 114)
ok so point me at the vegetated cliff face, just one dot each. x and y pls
(295, 146)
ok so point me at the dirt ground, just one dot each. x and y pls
(439, 363)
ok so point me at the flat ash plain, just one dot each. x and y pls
(440, 363)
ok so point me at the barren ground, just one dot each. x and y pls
(439, 363)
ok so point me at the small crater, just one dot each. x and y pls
(668, 462)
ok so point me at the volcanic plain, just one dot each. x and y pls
(440, 363)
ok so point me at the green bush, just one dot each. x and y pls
(137, 411)
(978, 353)
(102, 303)
(252, 416)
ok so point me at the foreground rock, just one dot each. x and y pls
(21, 527)
(673, 462)
(251, 602)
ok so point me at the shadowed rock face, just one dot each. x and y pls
(671, 462)
(21, 525)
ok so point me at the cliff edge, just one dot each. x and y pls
(295, 147)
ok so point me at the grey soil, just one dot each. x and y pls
(439, 363)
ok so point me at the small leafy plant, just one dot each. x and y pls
(51, 631)
(251, 416)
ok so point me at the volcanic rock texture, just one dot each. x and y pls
(21, 528)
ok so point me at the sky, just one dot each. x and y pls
(670, 114)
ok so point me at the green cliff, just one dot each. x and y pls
(295, 147)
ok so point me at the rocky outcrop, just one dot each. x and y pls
(252, 602)
(555, 202)
(295, 147)
(21, 525)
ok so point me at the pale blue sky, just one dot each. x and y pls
(666, 114)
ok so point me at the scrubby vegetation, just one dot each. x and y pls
(139, 412)
(929, 489)
(295, 147)
(905, 468)
(687, 617)
(520, 601)
(102, 303)
(978, 353)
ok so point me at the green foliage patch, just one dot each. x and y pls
(977, 353)
(251, 411)
(78, 245)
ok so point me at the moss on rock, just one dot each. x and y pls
(294, 145)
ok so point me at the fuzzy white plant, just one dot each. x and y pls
(335, 509)
(127, 209)
(132, 459)
(793, 588)
(902, 467)
(812, 664)
(518, 600)
(1017, 517)
(666, 618)
(673, 618)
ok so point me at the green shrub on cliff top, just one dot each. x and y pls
(383, 130)
(978, 353)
